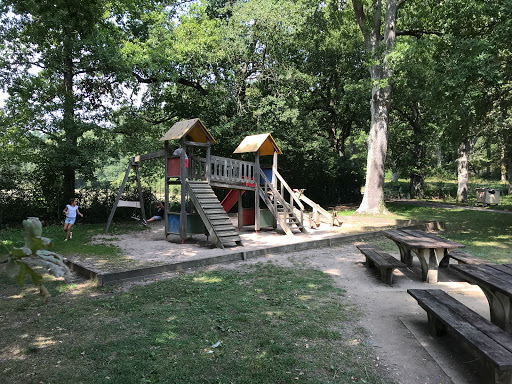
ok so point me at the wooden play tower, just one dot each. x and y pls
(197, 172)
(203, 173)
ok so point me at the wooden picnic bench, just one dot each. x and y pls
(377, 257)
(430, 249)
(462, 257)
(492, 344)
(495, 281)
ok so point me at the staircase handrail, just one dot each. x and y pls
(290, 191)
(277, 194)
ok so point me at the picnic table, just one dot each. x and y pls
(495, 281)
(430, 249)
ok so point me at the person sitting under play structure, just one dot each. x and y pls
(159, 214)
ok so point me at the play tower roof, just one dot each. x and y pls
(193, 128)
(264, 143)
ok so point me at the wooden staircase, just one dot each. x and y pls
(282, 211)
(213, 215)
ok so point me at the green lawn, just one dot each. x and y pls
(486, 234)
(274, 325)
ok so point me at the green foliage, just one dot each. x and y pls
(34, 249)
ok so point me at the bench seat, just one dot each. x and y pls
(492, 344)
(465, 258)
(377, 257)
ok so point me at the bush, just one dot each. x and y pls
(95, 203)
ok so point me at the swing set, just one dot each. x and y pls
(138, 206)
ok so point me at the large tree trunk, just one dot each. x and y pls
(69, 125)
(373, 199)
(462, 172)
(381, 73)
(507, 157)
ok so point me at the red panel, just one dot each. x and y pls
(173, 166)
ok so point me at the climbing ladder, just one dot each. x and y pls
(282, 210)
(212, 213)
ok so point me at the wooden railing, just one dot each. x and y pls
(278, 199)
(283, 186)
(223, 170)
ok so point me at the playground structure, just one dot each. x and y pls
(201, 211)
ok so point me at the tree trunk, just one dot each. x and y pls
(462, 172)
(416, 185)
(507, 156)
(69, 126)
(373, 199)
(381, 74)
(394, 172)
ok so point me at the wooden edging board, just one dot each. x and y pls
(114, 277)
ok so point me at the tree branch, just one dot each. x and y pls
(400, 3)
(193, 84)
(360, 16)
(181, 80)
(418, 33)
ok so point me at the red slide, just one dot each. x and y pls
(230, 200)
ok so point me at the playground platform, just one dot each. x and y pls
(145, 253)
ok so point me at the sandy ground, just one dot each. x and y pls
(397, 326)
(149, 248)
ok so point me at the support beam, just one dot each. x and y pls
(149, 156)
(183, 178)
(166, 182)
(121, 189)
(257, 192)
(240, 211)
(139, 187)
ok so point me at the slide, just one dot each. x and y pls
(230, 200)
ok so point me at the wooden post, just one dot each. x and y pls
(166, 181)
(139, 187)
(190, 174)
(257, 192)
(240, 211)
(274, 183)
(183, 178)
(121, 189)
(207, 167)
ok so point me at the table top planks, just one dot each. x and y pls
(420, 239)
(495, 276)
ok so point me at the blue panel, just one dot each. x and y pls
(174, 222)
(268, 173)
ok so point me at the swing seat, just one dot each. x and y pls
(125, 203)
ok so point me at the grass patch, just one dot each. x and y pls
(81, 244)
(485, 234)
(274, 325)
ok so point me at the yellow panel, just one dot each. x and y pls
(264, 143)
(193, 128)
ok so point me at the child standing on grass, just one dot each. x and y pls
(71, 211)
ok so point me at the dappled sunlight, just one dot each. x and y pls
(313, 286)
(18, 296)
(207, 279)
(275, 313)
(333, 271)
(13, 353)
(497, 244)
(166, 336)
(43, 342)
